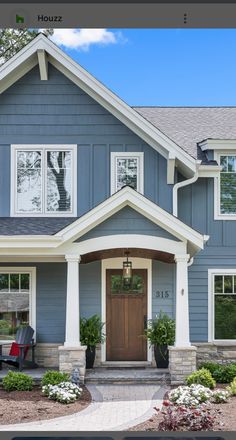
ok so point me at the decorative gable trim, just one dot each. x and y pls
(129, 197)
(27, 58)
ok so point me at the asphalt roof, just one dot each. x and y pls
(187, 126)
(33, 225)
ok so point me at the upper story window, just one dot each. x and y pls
(126, 169)
(43, 180)
(228, 184)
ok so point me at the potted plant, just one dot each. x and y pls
(91, 334)
(160, 332)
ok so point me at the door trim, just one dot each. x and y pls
(116, 263)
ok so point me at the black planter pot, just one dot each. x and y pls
(90, 357)
(161, 353)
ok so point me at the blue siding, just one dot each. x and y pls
(163, 281)
(127, 221)
(57, 111)
(196, 208)
(90, 289)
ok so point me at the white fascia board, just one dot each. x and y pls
(29, 241)
(43, 64)
(209, 171)
(102, 95)
(218, 144)
(129, 197)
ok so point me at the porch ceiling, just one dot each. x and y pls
(133, 252)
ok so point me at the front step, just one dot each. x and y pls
(102, 375)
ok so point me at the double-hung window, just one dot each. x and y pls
(225, 186)
(126, 170)
(223, 306)
(43, 180)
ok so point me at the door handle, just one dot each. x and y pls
(145, 322)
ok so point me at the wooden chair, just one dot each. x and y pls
(19, 349)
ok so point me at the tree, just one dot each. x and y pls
(13, 40)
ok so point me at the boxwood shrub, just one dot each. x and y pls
(221, 373)
(52, 377)
(15, 381)
(202, 377)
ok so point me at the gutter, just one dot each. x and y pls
(183, 184)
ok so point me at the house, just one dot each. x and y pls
(87, 181)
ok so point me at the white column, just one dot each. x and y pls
(182, 307)
(72, 338)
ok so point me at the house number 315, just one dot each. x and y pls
(162, 294)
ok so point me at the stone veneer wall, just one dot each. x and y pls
(182, 362)
(47, 355)
(208, 352)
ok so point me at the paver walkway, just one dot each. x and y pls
(113, 408)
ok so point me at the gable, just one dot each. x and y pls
(57, 111)
(127, 221)
(41, 51)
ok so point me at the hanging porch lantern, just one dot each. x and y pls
(127, 270)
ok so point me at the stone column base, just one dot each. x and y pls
(71, 358)
(182, 362)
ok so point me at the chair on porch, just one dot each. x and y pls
(19, 349)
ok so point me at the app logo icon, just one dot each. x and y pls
(19, 19)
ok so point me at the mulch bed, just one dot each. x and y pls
(224, 413)
(29, 406)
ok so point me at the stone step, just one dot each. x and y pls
(103, 375)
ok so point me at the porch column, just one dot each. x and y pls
(182, 307)
(72, 338)
(182, 357)
(72, 353)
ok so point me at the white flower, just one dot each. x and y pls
(190, 395)
(65, 392)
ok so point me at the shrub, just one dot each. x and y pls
(232, 387)
(220, 396)
(192, 395)
(65, 392)
(52, 377)
(14, 381)
(202, 377)
(221, 373)
(191, 419)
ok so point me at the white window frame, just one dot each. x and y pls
(44, 148)
(217, 214)
(126, 155)
(32, 292)
(211, 295)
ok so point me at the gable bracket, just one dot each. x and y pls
(43, 64)
(170, 169)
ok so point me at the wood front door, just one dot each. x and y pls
(126, 315)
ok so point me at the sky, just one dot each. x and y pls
(158, 67)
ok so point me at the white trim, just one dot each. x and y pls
(217, 214)
(43, 64)
(131, 118)
(128, 197)
(116, 263)
(32, 296)
(140, 173)
(211, 321)
(43, 148)
(171, 169)
(209, 170)
(217, 144)
(131, 241)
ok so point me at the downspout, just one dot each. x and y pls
(181, 185)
